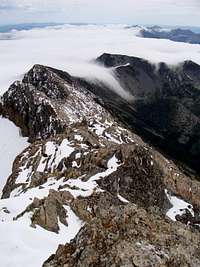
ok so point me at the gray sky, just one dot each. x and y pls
(166, 12)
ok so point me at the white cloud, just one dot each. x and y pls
(72, 48)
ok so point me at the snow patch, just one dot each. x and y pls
(122, 199)
(178, 206)
(86, 188)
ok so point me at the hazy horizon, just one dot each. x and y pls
(166, 12)
(95, 23)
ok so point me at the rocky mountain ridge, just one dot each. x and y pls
(84, 165)
(177, 35)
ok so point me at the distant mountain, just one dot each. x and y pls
(29, 26)
(177, 35)
(192, 28)
(25, 26)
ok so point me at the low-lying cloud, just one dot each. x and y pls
(72, 48)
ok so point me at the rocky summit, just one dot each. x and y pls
(106, 181)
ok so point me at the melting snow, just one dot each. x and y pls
(78, 155)
(78, 137)
(64, 151)
(56, 154)
(99, 129)
(178, 206)
(86, 188)
(112, 139)
(24, 175)
(31, 247)
(122, 199)
(75, 165)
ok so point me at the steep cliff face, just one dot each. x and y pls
(165, 107)
(84, 169)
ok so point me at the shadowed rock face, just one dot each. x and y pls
(139, 179)
(35, 108)
(46, 102)
(32, 111)
(166, 107)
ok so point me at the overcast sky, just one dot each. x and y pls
(166, 12)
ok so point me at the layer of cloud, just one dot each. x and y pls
(73, 48)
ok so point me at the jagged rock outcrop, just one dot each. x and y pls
(139, 179)
(46, 102)
(82, 150)
(129, 236)
(32, 111)
(84, 160)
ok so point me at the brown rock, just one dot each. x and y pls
(129, 236)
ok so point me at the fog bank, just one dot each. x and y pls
(72, 48)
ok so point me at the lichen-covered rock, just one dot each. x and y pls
(139, 179)
(129, 236)
(77, 161)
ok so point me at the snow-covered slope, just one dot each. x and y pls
(40, 171)
(22, 245)
(11, 144)
(25, 245)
